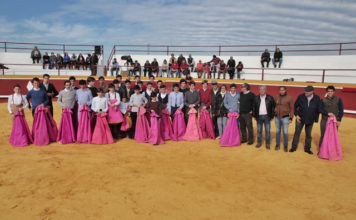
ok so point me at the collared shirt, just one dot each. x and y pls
(84, 97)
(66, 98)
(17, 99)
(263, 108)
(175, 99)
(99, 103)
(124, 106)
(137, 99)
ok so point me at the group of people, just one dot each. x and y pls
(57, 61)
(149, 113)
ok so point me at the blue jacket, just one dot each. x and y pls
(232, 102)
(308, 114)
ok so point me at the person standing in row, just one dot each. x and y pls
(306, 111)
(205, 96)
(214, 94)
(136, 100)
(247, 99)
(175, 100)
(91, 86)
(284, 112)
(263, 112)
(36, 96)
(67, 97)
(219, 110)
(191, 100)
(50, 90)
(83, 96)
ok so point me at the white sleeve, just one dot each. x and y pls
(9, 104)
(117, 98)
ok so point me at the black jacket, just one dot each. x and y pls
(270, 104)
(219, 109)
(308, 114)
(51, 89)
(231, 63)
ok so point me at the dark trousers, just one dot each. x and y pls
(298, 131)
(267, 61)
(173, 110)
(231, 71)
(133, 128)
(115, 129)
(215, 123)
(36, 59)
(246, 122)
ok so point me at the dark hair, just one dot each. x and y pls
(163, 86)
(330, 87)
(159, 81)
(67, 81)
(192, 83)
(35, 79)
(153, 94)
(100, 90)
(124, 96)
(127, 81)
(72, 78)
(149, 83)
(90, 79)
(119, 76)
(101, 77)
(46, 75)
(115, 81)
(152, 76)
(82, 82)
(175, 85)
(17, 85)
(246, 85)
(111, 86)
(232, 85)
(182, 80)
(137, 87)
(223, 85)
(205, 81)
(137, 76)
(140, 82)
(284, 87)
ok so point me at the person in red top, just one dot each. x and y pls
(174, 69)
(184, 67)
(200, 69)
(222, 69)
(215, 60)
(206, 70)
(205, 96)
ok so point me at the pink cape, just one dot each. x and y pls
(84, 126)
(231, 134)
(125, 126)
(44, 128)
(66, 133)
(155, 137)
(142, 126)
(166, 125)
(193, 132)
(178, 126)
(330, 147)
(20, 135)
(114, 113)
(102, 133)
(206, 124)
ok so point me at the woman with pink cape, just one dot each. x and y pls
(206, 124)
(193, 132)
(142, 126)
(102, 133)
(44, 129)
(330, 147)
(231, 134)
(178, 126)
(166, 125)
(66, 134)
(20, 135)
(155, 137)
(84, 126)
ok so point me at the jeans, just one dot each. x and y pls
(114, 69)
(282, 123)
(280, 62)
(308, 137)
(222, 121)
(263, 119)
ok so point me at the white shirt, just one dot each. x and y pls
(215, 91)
(124, 106)
(309, 99)
(99, 103)
(111, 96)
(163, 95)
(17, 99)
(263, 109)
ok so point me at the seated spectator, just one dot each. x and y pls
(213, 69)
(206, 71)
(35, 55)
(216, 61)
(147, 69)
(45, 60)
(59, 61)
(180, 60)
(239, 68)
(222, 69)
(174, 69)
(66, 60)
(172, 60)
(231, 67)
(52, 61)
(200, 69)
(191, 63)
(184, 68)
(129, 61)
(87, 61)
(155, 67)
(114, 67)
(277, 58)
(137, 68)
(164, 68)
(73, 61)
(81, 61)
(265, 57)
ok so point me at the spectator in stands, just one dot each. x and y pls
(129, 61)
(87, 61)
(231, 67)
(213, 69)
(147, 69)
(81, 61)
(200, 69)
(164, 69)
(45, 60)
(277, 58)
(137, 68)
(102, 84)
(265, 57)
(114, 67)
(52, 61)
(93, 63)
(172, 60)
(37, 96)
(180, 60)
(222, 69)
(66, 60)
(72, 83)
(155, 67)
(206, 73)
(50, 90)
(59, 61)
(216, 61)
(73, 61)
(184, 68)
(191, 63)
(174, 69)
(35, 55)
(239, 68)
(91, 86)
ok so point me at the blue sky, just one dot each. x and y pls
(194, 22)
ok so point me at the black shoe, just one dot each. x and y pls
(277, 147)
(243, 142)
(268, 147)
(258, 145)
(250, 143)
(292, 150)
(308, 152)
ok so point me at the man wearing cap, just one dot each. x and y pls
(215, 91)
(306, 111)
(246, 109)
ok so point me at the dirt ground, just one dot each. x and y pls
(178, 180)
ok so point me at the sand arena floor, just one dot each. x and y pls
(178, 180)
